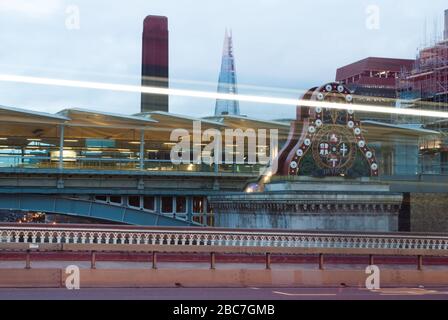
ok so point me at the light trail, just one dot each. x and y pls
(221, 96)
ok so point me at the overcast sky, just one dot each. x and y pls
(281, 46)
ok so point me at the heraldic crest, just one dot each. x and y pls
(327, 141)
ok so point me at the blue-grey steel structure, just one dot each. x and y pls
(66, 205)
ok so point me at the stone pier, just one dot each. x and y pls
(312, 204)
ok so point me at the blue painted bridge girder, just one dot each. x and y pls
(88, 209)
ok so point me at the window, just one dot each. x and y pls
(149, 203)
(115, 199)
(198, 204)
(167, 204)
(101, 198)
(134, 201)
(181, 205)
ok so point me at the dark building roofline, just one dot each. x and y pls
(372, 63)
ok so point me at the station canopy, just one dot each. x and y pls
(158, 126)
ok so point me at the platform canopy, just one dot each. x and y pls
(379, 131)
(87, 118)
(9, 114)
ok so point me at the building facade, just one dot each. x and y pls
(425, 87)
(425, 84)
(373, 82)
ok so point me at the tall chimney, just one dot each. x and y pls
(445, 34)
(155, 62)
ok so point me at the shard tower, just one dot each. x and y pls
(155, 62)
(227, 80)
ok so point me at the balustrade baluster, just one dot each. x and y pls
(138, 239)
(8, 237)
(33, 237)
(58, 237)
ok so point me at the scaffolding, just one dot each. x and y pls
(426, 85)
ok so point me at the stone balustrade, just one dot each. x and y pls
(202, 238)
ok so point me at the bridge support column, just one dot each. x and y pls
(419, 263)
(93, 260)
(321, 261)
(142, 149)
(61, 147)
(212, 261)
(268, 261)
(371, 260)
(28, 260)
(189, 209)
(154, 260)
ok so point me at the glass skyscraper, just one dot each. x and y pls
(227, 80)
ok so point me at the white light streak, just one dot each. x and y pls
(221, 96)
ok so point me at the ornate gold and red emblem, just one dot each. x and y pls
(332, 135)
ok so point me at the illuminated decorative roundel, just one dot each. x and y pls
(334, 148)
(331, 138)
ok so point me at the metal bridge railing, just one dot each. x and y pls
(211, 239)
